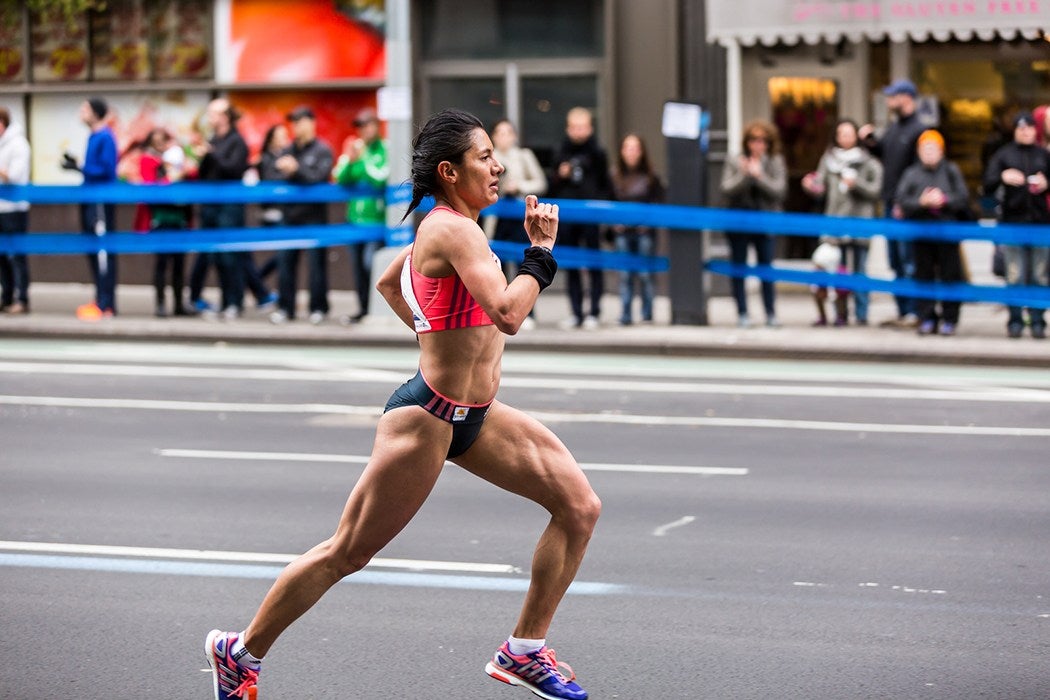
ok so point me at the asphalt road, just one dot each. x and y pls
(770, 529)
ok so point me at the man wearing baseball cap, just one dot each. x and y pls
(896, 150)
(364, 161)
(1017, 173)
(308, 161)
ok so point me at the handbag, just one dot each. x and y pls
(999, 262)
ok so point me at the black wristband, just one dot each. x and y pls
(539, 263)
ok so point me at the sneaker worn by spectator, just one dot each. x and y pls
(267, 303)
(590, 323)
(92, 312)
(947, 328)
(1039, 332)
(279, 317)
(1014, 330)
(570, 323)
(317, 317)
(927, 327)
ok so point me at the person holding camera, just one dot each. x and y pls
(1017, 173)
(582, 172)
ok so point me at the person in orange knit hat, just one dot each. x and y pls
(934, 190)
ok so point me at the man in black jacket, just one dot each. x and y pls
(896, 150)
(224, 158)
(581, 171)
(1017, 173)
(934, 190)
(308, 161)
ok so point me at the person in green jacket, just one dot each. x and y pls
(364, 161)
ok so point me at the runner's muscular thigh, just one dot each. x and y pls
(516, 452)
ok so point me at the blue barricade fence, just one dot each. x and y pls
(194, 193)
(780, 223)
(1036, 297)
(212, 240)
(570, 211)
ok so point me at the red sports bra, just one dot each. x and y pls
(440, 303)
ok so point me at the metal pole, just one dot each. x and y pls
(395, 108)
(399, 87)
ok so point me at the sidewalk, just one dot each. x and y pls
(981, 337)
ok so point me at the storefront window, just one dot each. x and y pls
(59, 49)
(511, 28)
(120, 42)
(12, 44)
(979, 87)
(138, 40)
(545, 103)
(482, 97)
(181, 39)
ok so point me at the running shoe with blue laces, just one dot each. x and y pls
(537, 671)
(230, 679)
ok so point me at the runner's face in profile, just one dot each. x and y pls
(479, 172)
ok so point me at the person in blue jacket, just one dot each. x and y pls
(96, 218)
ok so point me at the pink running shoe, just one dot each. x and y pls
(230, 679)
(537, 671)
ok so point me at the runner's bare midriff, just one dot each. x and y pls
(463, 365)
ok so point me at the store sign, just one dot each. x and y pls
(812, 21)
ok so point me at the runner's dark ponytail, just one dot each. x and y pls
(446, 136)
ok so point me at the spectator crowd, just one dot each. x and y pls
(901, 172)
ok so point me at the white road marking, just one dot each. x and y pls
(777, 423)
(363, 459)
(267, 456)
(662, 530)
(241, 557)
(193, 406)
(327, 375)
(546, 416)
(178, 562)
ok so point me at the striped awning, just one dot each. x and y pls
(768, 22)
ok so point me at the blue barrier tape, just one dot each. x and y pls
(580, 258)
(190, 193)
(1036, 297)
(207, 240)
(283, 237)
(570, 211)
(779, 223)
